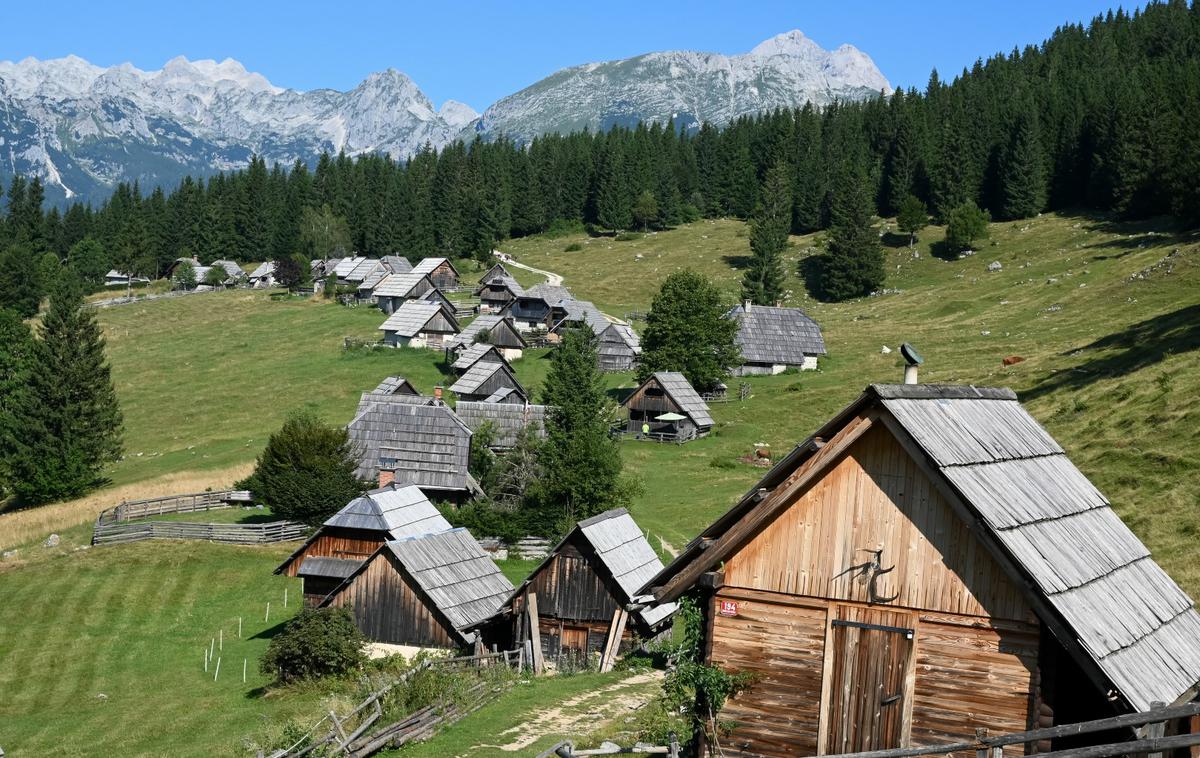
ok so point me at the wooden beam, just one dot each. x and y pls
(613, 644)
(762, 513)
(535, 633)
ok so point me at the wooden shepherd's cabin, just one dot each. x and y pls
(536, 308)
(484, 379)
(930, 563)
(396, 385)
(355, 533)
(583, 599)
(496, 292)
(507, 419)
(497, 269)
(463, 358)
(772, 340)
(425, 590)
(493, 329)
(418, 323)
(667, 408)
(396, 289)
(440, 271)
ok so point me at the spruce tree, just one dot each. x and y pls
(853, 262)
(1023, 175)
(307, 471)
(966, 224)
(912, 218)
(16, 347)
(612, 195)
(69, 420)
(581, 461)
(762, 283)
(687, 331)
(20, 280)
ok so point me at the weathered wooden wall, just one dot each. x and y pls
(941, 644)
(568, 588)
(386, 609)
(334, 542)
(876, 498)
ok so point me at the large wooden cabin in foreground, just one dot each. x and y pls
(928, 563)
(356, 532)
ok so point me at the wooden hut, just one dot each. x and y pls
(534, 310)
(465, 357)
(497, 269)
(667, 404)
(507, 420)
(345, 267)
(485, 378)
(494, 330)
(426, 590)
(357, 531)
(263, 276)
(930, 562)
(397, 264)
(440, 271)
(396, 385)
(418, 323)
(413, 440)
(396, 289)
(773, 340)
(618, 348)
(496, 293)
(586, 593)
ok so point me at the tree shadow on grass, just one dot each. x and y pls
(941, 250)
(1140, 345)
(894, 239)
(737, 262)
(618, 394)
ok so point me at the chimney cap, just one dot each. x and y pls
(911, 356)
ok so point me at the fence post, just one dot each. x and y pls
(1156, 730)
(981, 750)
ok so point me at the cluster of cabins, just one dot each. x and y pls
(412, 580)
(927, 563)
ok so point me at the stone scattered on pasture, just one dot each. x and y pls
(994, 266)
(886, 350)
(52, 541)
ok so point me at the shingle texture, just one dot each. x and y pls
(685, 397)
(476, 376)
(346, 265)
(263, 269)
(399, 510)
(1130, 617)
(457, 576)
(507, 419)
(395, 385)
(410, 318)
(623, 549)
(338, 568)
(426, 445)
(407, 284)
(476, 352)
(427, 265)
(776, 336)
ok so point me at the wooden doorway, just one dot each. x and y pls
(867, 666)
(574, 640)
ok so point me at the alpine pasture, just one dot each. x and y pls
(1104, 315)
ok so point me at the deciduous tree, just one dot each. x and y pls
(686, 331)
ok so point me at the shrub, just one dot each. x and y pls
(317, 642)
(965, 224)
(628, 236)
(574, 247)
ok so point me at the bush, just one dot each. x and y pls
(317, 642)
(965, 224)
(574, 247)
(629, 236)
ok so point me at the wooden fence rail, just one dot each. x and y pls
(1151, 739)
(365, 740)
(234, 534)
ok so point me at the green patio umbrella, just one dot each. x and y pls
(670, 417)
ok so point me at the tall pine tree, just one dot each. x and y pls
(1023, 172)
(68, 414)
(762, 283)
(853, 262)
(16, 346)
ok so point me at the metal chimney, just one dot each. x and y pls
(912, 360)
(746, 305)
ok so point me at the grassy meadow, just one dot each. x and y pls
(1106, 316)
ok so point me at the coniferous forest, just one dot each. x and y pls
(1103, 117)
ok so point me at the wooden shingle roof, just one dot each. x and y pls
(428, 265)
(551, 294)
(477, 352)
(1086, 574)
(263, 269)
(507, 282)
(407, 284)
(424, 443)
(497, 269)
(344, 266)
(412, 317)
(491, 327)
(397, 264)
(778, 336)
(375, 275)
(457, 576)
(582, 312)
(685, 397)
(623, 549)
(507, 419)
(395, 385)
(399, 510)
(470, 382)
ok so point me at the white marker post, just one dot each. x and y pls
(267, 618)
(217, 672)
(220, 639)
(243, 671)
(239, 627)
(285, 589)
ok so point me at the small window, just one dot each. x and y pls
(654, 392)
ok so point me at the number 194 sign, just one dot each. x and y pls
(728, 608)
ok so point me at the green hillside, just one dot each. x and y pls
(1106, 317)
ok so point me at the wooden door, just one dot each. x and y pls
(867, 669)
(574, 639)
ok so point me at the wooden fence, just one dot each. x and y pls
(1149, 729)
(125, 522)
(356, 734)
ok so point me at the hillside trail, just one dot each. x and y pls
(585, 713)
(553, 279)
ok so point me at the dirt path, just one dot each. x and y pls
(553, 279)
(584, 713)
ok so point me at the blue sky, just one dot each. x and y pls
(477, 52)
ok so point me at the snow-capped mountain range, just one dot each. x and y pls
(83, 128)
